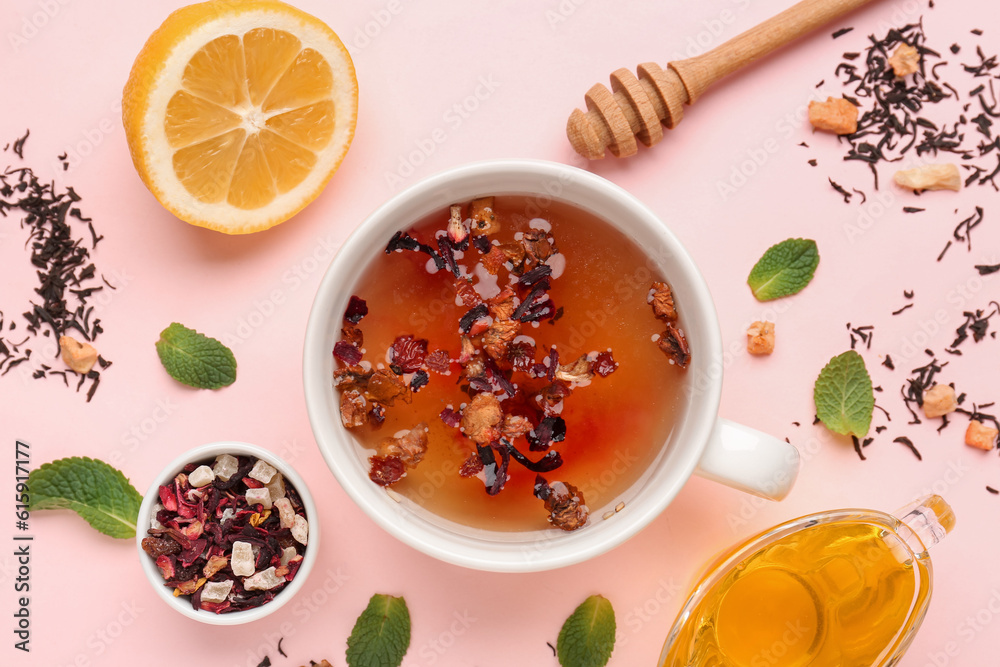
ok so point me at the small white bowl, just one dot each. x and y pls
(183, 603)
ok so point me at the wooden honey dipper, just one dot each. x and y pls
(639, 106)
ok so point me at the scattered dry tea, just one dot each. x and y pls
(229, 532)
(67, 278)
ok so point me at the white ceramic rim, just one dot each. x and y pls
(183, 603)
(526, 551)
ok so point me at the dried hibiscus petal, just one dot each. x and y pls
(470, 317)
(675, 346)
(408, 353)
(356, 310)
(471, 466)
(547, 463)
(386, 470)
(604, 364)
(376, 416)
(347, 352)
(419, 380)
(550, 429)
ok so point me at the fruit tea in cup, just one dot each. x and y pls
(847, 587)
(511, 366)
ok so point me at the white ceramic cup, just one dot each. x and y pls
(207, 453)
(701, 443)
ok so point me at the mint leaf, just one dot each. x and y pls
(784, 269)
(99, 493)
(195, 359)
(381, 634)
(843, 395)
(588, 635)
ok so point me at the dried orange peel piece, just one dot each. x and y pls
(238, 114)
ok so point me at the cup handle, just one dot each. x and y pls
(749, 460)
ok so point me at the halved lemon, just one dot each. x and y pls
(238, 113)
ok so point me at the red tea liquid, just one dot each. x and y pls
(615, 426)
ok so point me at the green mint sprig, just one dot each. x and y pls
(844, 396)
(784, 269)
(587, 637)
(195, 359)
(381, 635)
(93, 489)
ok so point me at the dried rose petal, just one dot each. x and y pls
(356, 310)
(438, 361)
(387, 470)
(450, 417)
(521, 356)
(408, 353)
(604, 364)
(347, 353)
(471, 466)
(675, 346)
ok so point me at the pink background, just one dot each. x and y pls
(530, 63)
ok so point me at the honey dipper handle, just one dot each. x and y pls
(702, 71)
(637, 107)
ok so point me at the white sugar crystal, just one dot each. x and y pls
(225, 466)
(276, 486)
(262, 471)
(300, 530)
(153, 523)
(263, 581)
(201, 476)
(287, 554)
(216, 591)
(242, 561)
(262, 496)
(285, 512)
